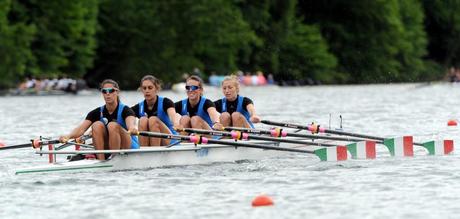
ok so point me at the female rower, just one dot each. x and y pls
(196, 111)
(155, 113)
(235, 110)
(109, 122)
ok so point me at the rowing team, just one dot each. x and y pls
(113, 122)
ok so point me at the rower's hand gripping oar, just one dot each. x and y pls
(80, 141)
(325, 154)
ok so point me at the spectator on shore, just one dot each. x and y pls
(240, 75)
(270, 79)
(261, 80)
(247, 79)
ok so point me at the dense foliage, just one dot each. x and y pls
(329, 41)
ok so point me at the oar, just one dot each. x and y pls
(401, 146)
(317, 129)
(76, 142)
(362, 149)
(36, 143)
(16, 146)
(33, 143)
(237, 135)
(325, 154)
(277, 132)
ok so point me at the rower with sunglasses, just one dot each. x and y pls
(235, 109)
(196, 111)
(155, 113)
(110, 123)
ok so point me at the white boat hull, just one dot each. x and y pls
(152, 157)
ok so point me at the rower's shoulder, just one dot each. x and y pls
(218, 101)
(168, 100)
(96, 110)
(247, 100)
(127, 111)
(208, 102)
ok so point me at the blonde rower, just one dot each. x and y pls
(235, 110)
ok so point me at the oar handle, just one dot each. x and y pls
(79, 140)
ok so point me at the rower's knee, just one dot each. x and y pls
(184, 121)
(154, 122)
(143, 123)
(113, 127)
(225, 116)
(98, 126)
(195, 121)
(237, 116)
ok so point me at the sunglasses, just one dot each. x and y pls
(192, 87)
(108, 90)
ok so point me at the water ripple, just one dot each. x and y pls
(301, 186)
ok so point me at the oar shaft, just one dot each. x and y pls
(70, 143)
(33, 143)
(37, 143)
(309, 136)
(257, 137)
(324, 130)
(16, 146)
(354, 134)
(80, 144)
(267, 147)
(233, 143)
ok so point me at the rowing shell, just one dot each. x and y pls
(153, 157)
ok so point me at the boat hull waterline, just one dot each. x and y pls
(149, 157)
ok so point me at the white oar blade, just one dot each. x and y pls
(441, 147)
(362, 150)
(337, 153)
(400, 146)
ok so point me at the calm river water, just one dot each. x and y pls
(300, 185)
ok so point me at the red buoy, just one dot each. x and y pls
(2, 144)
(262, 200)
(452, 122)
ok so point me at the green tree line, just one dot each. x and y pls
(330, 41)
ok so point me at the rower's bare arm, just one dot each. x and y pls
(215, 118)
(131, 124)
(77, 132)
(213, 114)
(252, 112)
(172, 116)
